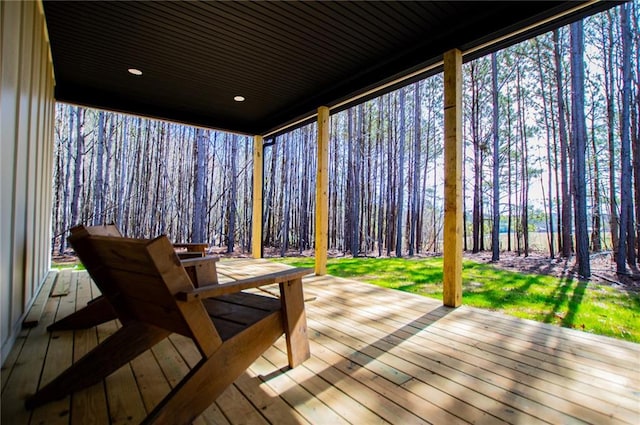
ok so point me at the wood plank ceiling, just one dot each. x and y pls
(285, 58)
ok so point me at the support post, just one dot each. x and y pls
(256, 222)
(452, 272)
(322, 189)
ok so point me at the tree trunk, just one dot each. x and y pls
(391, 183)
(524, 168)
(77, 170)
(609, 83)
(635, 127)
(197, 228)
(415, 198)
(233, 191)
(579, 141)
(509, 177)
(381, 181)
(549, 206)
(596, 241)
(567, 243)
(98, 194)
(400, 183)
(626, 243)
(475, 138)
(121, 197)
(495, 231)
(352, 225)
(65, 191)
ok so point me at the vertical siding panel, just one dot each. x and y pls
(44, 170)
(33, 141)
(49, 123)
(35, 166)
(26, 126)
(20, 169)
(10, 30)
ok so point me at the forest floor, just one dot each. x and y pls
(603, 266)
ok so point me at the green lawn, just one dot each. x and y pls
(566, 302)
(74, 266)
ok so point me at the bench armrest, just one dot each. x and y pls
(190, 262)
(201, 270)
(239, 285)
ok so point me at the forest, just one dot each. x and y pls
(551, 162)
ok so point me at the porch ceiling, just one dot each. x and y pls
(285, 58)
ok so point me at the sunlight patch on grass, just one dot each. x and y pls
(565, 302)
(62, 266)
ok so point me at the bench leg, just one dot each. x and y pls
(295, 322)
(209, 378)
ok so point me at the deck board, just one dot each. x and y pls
(452, 360)
(378, 356)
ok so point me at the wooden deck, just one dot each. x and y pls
(378, 356)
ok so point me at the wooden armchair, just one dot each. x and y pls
(153, 296)
(201, 270)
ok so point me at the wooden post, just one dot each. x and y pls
(256, 223)
(322, 189)
(452, 273)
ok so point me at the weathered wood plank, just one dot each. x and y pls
(212, 416)
(300, 399)
(423, 408)
(236, 312)
(24, 377)
(35, 313)
(63, 283)
(428, 384)
(558, 342)
(237, 409)
(587, 375)
(125, 401)
(152, 383)
(59, 357)
(171, 360)
(386, 410)
(446, 351)
(376, 355)
(89, 406)
(12, 358)
(267, 401)
(343, 404)
(187, 352)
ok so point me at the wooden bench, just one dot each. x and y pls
(201, 270)
(153, 296)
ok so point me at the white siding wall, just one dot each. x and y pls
(26, 157)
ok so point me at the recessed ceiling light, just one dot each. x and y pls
(134, 71)
(239, 98)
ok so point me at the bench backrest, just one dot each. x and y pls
(140, 278)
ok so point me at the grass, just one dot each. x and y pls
(570, 303)
(61, 266)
